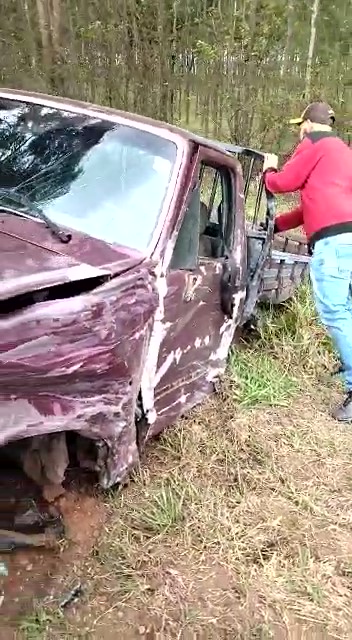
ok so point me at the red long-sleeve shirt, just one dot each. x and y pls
(321, 170)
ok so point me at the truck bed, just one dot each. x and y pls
(286, 268)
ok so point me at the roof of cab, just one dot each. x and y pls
(108, 112)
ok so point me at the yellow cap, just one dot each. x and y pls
(319, 112)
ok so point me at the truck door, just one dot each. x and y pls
(205, 288)
(260, 206)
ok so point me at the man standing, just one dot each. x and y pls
(321, 170)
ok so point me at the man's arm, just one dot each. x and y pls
(290, 220)
(296, 170)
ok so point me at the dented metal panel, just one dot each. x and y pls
(195, 341)
(76, 364)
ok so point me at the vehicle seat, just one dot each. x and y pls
(218, 243)
(205, 245)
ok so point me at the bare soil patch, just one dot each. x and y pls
(45, 576)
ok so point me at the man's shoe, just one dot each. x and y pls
(344, 412)
(338, 371)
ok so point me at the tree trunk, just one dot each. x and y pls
(313, 31)
(43, 22)
(286, 53)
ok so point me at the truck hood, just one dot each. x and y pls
(32, 259)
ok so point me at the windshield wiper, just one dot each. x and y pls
(32, 209)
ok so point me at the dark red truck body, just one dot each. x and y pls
(113, 342)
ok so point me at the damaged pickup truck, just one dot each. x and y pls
(127, 265)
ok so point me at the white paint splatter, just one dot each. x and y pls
(158, 333)
(182, 399)
(238, 253)
(150, 376)
(164, 368)
(227, 332)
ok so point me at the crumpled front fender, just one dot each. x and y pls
(76, 364)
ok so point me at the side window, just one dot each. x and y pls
(185, 254)
(207, 225)
(255, 201)
(211, 192)
(216, 217)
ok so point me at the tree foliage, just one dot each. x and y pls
(228, 68)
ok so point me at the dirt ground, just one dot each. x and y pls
(236, 526)
(45, 577)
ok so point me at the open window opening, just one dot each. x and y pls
(207, 226)
(216, 211)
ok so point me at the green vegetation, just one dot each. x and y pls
(237, 524)
(230, 69)
(260, 378)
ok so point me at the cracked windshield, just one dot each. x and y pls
(84, 173)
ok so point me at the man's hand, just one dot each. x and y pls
(270, 161)
(263, 226)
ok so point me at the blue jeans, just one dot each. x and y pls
(331, 276)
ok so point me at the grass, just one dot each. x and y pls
(34, 626)
(238, 524)
(163, 510)
(260, 378)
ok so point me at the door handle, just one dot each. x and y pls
(230, 284)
